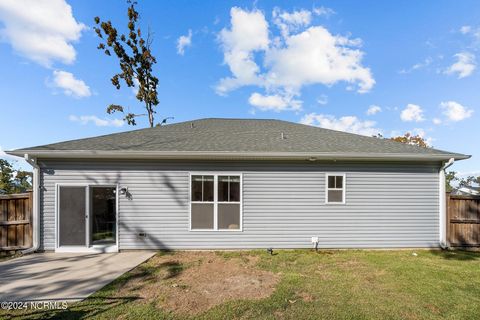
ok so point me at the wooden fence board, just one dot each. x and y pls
(15, 221)
(463, 220)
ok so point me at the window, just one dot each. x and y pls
(215, 202)
(228, 202)
(335, 188)
(202, 202)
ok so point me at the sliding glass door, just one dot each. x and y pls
(72, 216)
(87, 216)
(103, 215)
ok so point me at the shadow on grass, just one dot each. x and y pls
(109, 298)
(457, 254)
(88, 308)
(165, 252)
(174, 269)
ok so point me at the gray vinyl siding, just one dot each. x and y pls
(387, 204)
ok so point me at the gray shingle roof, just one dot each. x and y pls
(239, 136)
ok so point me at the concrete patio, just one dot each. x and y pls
(63, 276)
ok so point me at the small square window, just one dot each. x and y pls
(335, 192)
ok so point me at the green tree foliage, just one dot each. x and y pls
(469, 181)
(13, 181)
(136, 61)
(6, 176)
(450, 177)
(23, 180)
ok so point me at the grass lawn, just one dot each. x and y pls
(8, 257)
(298, 284)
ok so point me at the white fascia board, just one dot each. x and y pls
(209, 155)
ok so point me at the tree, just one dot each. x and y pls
(136, 63)
(6, 176)
(450, 177)
(469, 181)
(13, 181)
(23, 180)
(408, 138)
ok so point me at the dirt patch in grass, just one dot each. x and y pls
(193, 282)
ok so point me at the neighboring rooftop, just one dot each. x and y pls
(214, 136)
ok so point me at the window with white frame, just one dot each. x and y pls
(335, 188)
(215, 202)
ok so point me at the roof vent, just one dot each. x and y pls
(282, 135)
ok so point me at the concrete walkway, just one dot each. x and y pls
(63, 276)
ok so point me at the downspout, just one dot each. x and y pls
(35, 206)
(443, 207)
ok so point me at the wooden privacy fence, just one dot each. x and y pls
(15, 221)
(463, 221)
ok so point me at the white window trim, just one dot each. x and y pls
(215, 202)
(88, 248)
(328, 174)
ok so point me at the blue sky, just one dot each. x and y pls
(360, 66)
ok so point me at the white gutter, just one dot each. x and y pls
(35, 206)
(230, 155)
(442, 204)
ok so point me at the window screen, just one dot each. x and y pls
(229, 216)
(72, 212)
(202, 216)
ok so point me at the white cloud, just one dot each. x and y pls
(348, 123)
(373, 109)
(465, 29)
(136, 86)
(183, 42)
(294, 60)
(412, 113)
(323, 11)
(97, 121)
(315, 56)
(464, 66)
(472, 31)
(248, 33)
(70, 85)
(40, 30)
(454, 111)
(288, 22)
(274, 102)
(322, 100)
(425, 63)
(437, 121)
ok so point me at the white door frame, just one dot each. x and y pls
(88, 248)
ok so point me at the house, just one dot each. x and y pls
(466, 191)
(237, 183)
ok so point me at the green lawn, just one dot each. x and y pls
(351, 284)
(8, 257)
